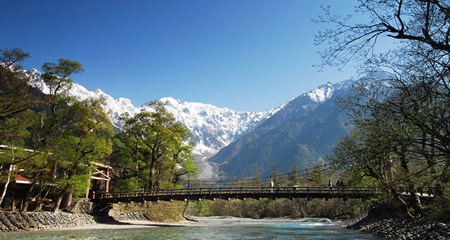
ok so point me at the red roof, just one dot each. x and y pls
(22, 179)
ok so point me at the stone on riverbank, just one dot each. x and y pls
(398, 228)
(15, 221)
(81, 214)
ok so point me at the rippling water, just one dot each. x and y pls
(208, 229)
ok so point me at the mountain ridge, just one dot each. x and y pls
(213, 128)
(299, 133)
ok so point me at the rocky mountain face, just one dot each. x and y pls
(300, 133)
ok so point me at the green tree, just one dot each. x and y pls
(53, 118)
(68, 134)
(127, 184)
(153, 146)
(48, 130)
(276, 176)
(317, 175)
(181, 162)
(257, 178)
(13, 132)
(16, 94)
(56, 77)
(14, 87)
(402, 121)
(49, 127)
(293, 177)
(17, 98)
(86, 140)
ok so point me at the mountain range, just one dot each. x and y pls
(301, 132)
(233, 143)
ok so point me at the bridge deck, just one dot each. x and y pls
(237, 192)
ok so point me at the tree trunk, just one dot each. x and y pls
(66, 200)
(24, 206)
(58, 200)
(28, 198)
(38, 206)
(6, 184)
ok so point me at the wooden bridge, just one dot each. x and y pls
(236, 192)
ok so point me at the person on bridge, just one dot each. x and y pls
(271, 186)
(330, 184)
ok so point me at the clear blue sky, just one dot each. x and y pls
(246, 55)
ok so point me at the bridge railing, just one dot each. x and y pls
(238, 191)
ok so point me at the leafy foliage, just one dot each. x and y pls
(401, 121)
(153, 148)
(16, 95)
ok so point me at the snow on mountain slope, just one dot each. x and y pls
(325, 92)
(214, 127)
(321, 93)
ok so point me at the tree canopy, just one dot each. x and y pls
(53, 138)
(155, 148)
(401, 119)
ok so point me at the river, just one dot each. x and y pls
(210, 228)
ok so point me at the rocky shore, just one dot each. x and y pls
(15, 221)
(80, 215)
(383, 222)
(398, 228)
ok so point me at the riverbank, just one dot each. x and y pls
(383, 226)
(16, 221)
(390, 227)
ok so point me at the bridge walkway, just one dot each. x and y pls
(237, 193)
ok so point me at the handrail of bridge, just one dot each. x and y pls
(238, 190)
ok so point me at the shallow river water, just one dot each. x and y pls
(208, 229)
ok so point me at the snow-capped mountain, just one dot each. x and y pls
(301, 133)
(213, 128)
